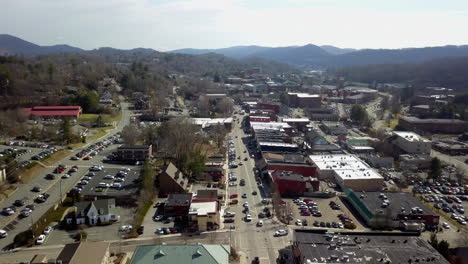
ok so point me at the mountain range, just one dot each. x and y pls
(308, 56)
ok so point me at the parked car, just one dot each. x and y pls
(40, 240)
(140, 230)
(3, 233)
(47, 230)
(281, 232)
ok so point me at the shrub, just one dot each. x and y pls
(24, 238)
(349, 225)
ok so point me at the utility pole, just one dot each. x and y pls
(61, 199)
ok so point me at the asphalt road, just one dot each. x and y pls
(55, 188)
(247, 237)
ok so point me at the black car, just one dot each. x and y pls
(254, 193)
(31, 207)
(19, 203)
(328, 224)
(316, 223)
(36, 189)
(50, 177)
(140, 230)
(261, 215)
(322, 224)
(304, 222)
(229, 220)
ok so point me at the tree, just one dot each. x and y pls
(436, 168)
(385, 103)
(225, 106)
(359, 115)
(89, 101)
(130, 135)
(66, 130)
(99, 121)
(284, 98)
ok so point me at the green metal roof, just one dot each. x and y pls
(169, 254)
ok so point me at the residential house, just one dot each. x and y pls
(85, 252)
(194, 254)
(93, 212)
(172, 180)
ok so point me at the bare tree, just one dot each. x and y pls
(225, 106)
(204, 106)
(130, 135)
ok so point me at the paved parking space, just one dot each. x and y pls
(95, 233)
(328, 214)
(127, 187)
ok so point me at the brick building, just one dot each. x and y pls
(293, 184)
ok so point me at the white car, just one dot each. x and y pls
(116, 185)
(248, 218)
(47, 230)
(229, 214)
(260, 223)
(40, 240)
(281, 232)
(3, 233)
(445, 225)
(125, 228)
(298, 222)
(232, 184)
(109, 177)
(66, 176)
(246, 204)
(103, 185)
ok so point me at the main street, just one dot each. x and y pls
(248, 238)
(55, 188)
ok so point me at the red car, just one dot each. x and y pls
(88, 158)
(308, 200)
(75, 167)
(283, 202)
(173, 230)
(305, 213)
(234, 195)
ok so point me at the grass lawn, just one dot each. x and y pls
(92, 117)
(100, 132)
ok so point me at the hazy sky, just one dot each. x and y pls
(172, 24)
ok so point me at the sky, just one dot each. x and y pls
(173, 24)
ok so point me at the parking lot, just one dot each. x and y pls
(328, 215)
(95, 233)
(108, 175)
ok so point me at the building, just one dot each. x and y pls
(379, 162)
(53, 112)
(305, 100)
(432, 125)
(391, 209)
(291, 184)
(93, 213)
(451, 147)
(206, 123)
(333, 128)
(194, 254)
(265, 119)
(85, 252)
(177, 204)
(134, 153)
(214, 169)
(323, 246)
(204, 215)
(412, 143)
(348, 171)
(415, 161)
(324, 114)
(297, 123)
(420, 110)
(172, 180)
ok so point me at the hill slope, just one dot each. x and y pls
(11, 45)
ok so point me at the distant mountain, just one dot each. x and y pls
(330, 56)
(335, 50)
(11, 45)
(236, 52)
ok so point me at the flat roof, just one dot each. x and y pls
(413, 119)
(203, 208)
(277, 144)
(269, 125)
(345, 166)
(410, 136)
(397, 201)
(294, 120)
(305, 95)
(320, 246)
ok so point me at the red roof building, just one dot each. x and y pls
(53, 111)
(291, 184)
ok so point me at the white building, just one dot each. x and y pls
(348, 171)
(412, 143)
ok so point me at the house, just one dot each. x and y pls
(85, 252)
(53, 112)
(106, 98)
(134, 152)
(214, 169)
(293, 184)
(194, 254)
(204, 215)
(93, 212)
(172, 180)
(177, 204)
